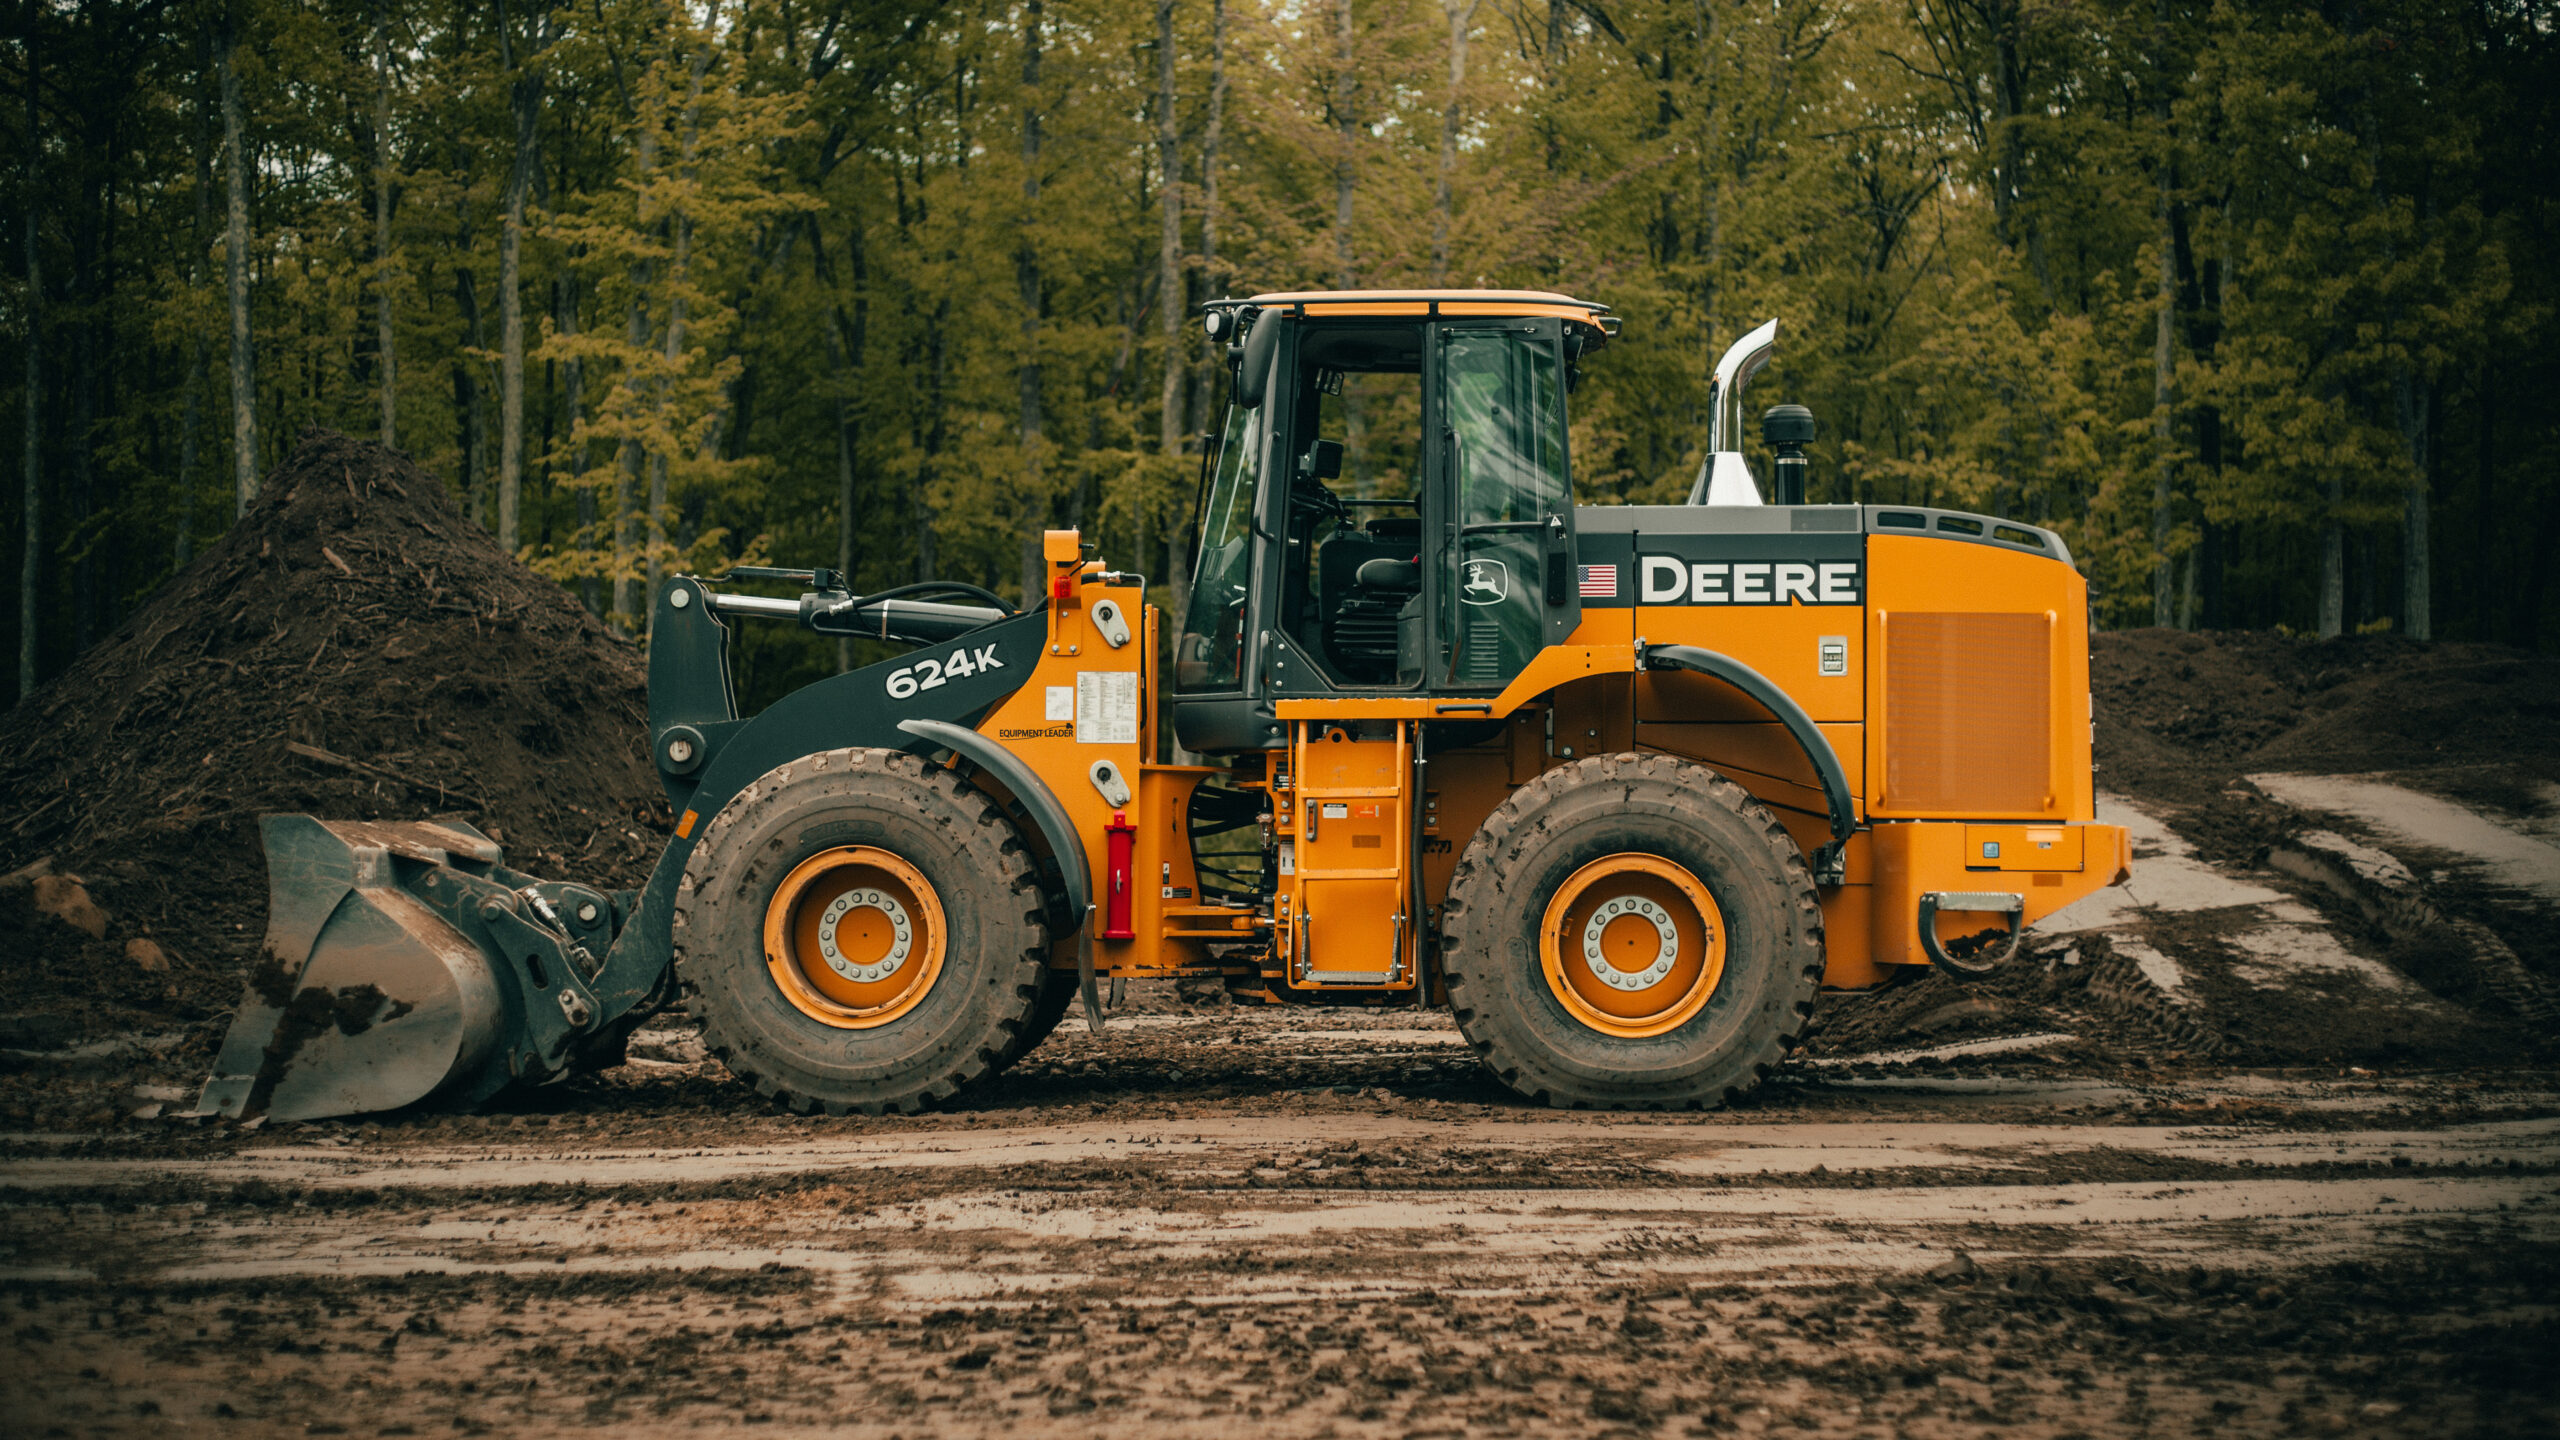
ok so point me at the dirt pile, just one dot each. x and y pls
(2180, 713)
(354, 648)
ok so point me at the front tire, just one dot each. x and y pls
(1058, 991)
(858, 930)
(1632, 931)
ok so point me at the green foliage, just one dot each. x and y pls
(782, 249)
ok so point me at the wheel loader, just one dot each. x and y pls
(1619, 786)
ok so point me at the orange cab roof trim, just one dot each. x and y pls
(1462, 303)
(1354, 297)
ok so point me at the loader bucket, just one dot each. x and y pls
(362, 998)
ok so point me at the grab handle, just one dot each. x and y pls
(1990, 901)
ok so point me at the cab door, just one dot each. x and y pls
(1502, 583)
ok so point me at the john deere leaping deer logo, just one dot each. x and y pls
(1488, 582)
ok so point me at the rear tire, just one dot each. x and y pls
(858, 930)
(1632, 931)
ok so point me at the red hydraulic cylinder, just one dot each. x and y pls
(1120, 844)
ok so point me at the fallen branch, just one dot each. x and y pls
(441, 791)
(39, 810)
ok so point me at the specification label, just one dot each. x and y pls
(1106, 707)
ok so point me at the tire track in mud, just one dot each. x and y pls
(2274, 1306)
(1118, 1243)
(1401, 1204)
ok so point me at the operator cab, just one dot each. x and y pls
(1389, 509)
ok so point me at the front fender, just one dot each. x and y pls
(843, 711)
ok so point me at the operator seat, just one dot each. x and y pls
(1369, 577)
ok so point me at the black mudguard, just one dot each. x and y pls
(690, 698)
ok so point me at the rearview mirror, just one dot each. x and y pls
(1323, 461)
(1253, 375)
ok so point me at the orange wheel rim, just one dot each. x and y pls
(1632, 945)
(854, 937)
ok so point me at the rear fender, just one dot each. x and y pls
(1836, 794)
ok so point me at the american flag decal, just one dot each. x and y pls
(1599, 582)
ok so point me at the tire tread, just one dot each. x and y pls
(926, 787)
(1482, 876)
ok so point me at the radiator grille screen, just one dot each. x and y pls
(1966, 723)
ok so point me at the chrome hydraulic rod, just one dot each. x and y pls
(913, 621)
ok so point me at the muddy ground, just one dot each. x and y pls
(2266, 1142)
(1207, 1218)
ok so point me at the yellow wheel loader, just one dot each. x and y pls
(1620, 786)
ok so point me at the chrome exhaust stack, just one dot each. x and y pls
(1723, 479)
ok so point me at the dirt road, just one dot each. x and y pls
(1317, 1226)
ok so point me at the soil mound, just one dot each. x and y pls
(354, 648)
(2180, 712)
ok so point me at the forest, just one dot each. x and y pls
(2253, 302)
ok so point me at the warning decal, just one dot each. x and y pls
(1106, 707)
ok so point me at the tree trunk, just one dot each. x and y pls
(524, 96)
(1210, 139)
(2484, 570)
(468, 392)
(191, 415)
(848, 347)
(1026, 274)
(2163, 427)
(1551, 75)
(626, 510)
(2366, 568)
(2415, 403)
(844, 470)
(83, 427)
(1212, 354)
(31, 478)
(1172, 295)
(573, 395)
(244, 381)
(626, 480)
(2210, 614)
(1178, 560)
(679, 275)
(2333, 562)
(182, 549)
(937, 383)
(1461, 18)
(1346, 119)
(386, 267)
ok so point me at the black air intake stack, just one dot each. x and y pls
(1788, 429)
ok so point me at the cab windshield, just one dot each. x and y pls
(1208, 653)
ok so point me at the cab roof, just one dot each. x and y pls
(1325, 304)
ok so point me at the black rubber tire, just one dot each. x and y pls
(964, 1030)
(1651, 804)
(1057, 996)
